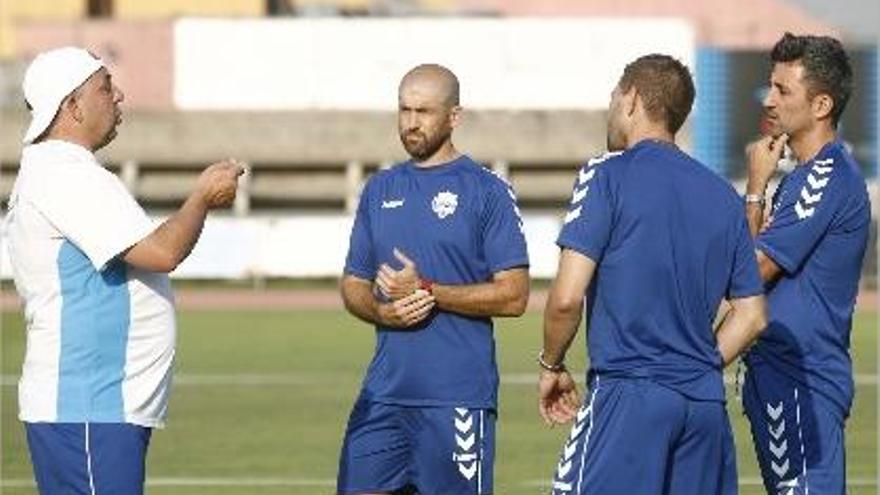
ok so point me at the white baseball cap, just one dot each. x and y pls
(49, 79)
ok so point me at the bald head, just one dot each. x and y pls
(428, 112)
(434, 79)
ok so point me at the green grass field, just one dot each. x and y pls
(262, 397)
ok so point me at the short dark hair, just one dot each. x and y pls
(665, 87)
(826, 66)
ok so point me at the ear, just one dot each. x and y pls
(822, 106)
(456, 116)
(73, 107)
(631, 101)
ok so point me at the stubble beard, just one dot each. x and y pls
(424, 147)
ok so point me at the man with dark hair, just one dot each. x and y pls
(655, 240)
(436, 251)
(798, 388)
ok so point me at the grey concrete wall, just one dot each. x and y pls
(327, 137)
(320, 159)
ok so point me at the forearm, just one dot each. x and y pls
(755, 187)
(755, 217)
(170, 243)
(497, 298)
(357, 295)
(723, 310)
(565, 304)
(560, 327)
(740, 328)
(180, 232)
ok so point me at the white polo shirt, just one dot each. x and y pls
(100, 332)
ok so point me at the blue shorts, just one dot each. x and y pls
(88, 458)
(635, 436)
(433, 450)
(798, 434)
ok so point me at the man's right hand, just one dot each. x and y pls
(219, 182)
(558, 398)
(408, 311)
(764, 155)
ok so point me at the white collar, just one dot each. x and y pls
(56, 147)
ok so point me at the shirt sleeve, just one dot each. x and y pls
(361, 258)
(745, 277)
(92, 209)
(588, 223)
(504, 243)
(801, 216)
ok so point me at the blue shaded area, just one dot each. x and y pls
(872, 116)
(94, 336)
(711, 120)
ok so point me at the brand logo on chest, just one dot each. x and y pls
(444, 204)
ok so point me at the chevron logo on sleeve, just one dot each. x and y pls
(585, 175)
(465, 440)
(811, 193)
(592, 162)
(573, 215)
(580, 192)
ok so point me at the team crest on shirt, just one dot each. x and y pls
(444, 204)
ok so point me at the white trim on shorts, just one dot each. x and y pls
(797, 409)
(480, 459)
(587, 436)
(89, 462)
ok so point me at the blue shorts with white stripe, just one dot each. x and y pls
(798, 434)
(88, 458)
(635, 436)
(426, 450)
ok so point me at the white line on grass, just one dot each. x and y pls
(201, 482)
(322, 482)
(862, 379)
(290, 380)
(747, 481)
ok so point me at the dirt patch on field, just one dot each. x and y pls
(313, 299)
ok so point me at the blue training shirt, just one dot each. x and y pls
(817, 234)
(460, 224)
(670, 239)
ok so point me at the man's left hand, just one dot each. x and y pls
(397, 284)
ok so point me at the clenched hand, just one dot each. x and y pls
(219, 182)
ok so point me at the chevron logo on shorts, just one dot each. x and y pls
(778, 446)
(563, 484)
(811, 193)
(465, 440)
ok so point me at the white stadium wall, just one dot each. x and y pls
(303, 246)
(509, 64)
(355, 64)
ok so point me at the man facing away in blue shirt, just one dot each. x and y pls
(799, 388)
(655, 240)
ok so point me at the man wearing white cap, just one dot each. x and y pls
(91, 268)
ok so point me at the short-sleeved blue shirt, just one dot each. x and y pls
(670, 239)
(817, 234)
(460, 224)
